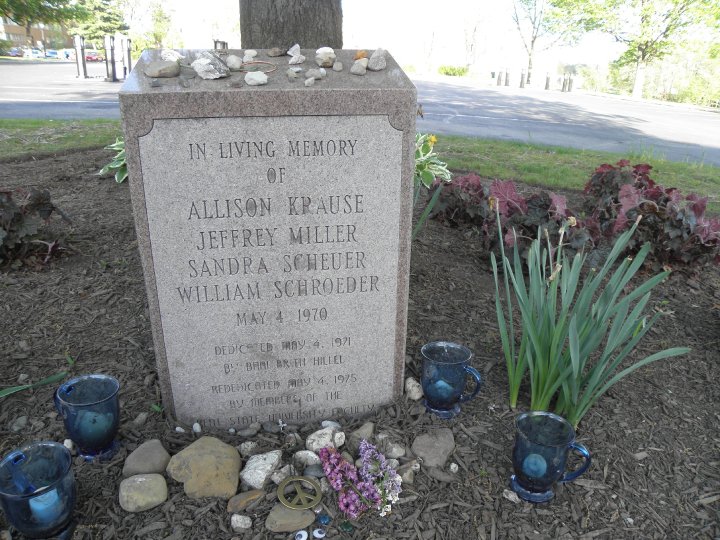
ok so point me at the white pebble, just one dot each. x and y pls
(69, 444)
(231, 431)
(453, 468)
(178, 429)
(197, 428)
(310, 81)
(240, 523)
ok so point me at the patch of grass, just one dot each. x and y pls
(568, 168)
(24, 138)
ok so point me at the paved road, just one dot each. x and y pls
(451, 106)
(52, 90)
(674, 131)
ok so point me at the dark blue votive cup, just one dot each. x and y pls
(91, 412)
(446, 366)
(542, 443)
(37, 489)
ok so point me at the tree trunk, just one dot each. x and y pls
(637, 92)
(529, 71)
(282, 23)
(28, 34)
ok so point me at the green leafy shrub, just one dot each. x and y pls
(117, 166)
(20, 221)
(5, 46)
(576, 331)
(453, 71)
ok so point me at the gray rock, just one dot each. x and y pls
(208, 65)
(325, 438)
(5, 535)
(330, 424)
(140, 419)
(142, 492)
(249, 448)
(315, 471)
(283, 519)
(315, 73)
(305, 458)
(440, 475)
(325, 57)
(434, 447)
(292, 74)
(240, 523)
(249, 431)
(292, 440)
(393, 463)
(393, 450)
(310, 81)
(413, 389)
(149, 457)
(234, 62)
(407, 475)
(258, 468)
(338, 65)
(276, 51)
(365, 431)
(377, 60)
(281, 474)
(358, 68)
(162, 69)
(19, 424)
(256, 78)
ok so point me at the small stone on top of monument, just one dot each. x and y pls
(250, 55)
(325, 57)
(256, 78)
(234, 62)
(338, 66)
(171, 55)
(276, 51)
(358, 67)
(291, 74)
(377, 60)
(315, 73)
(295, 56)
(310, 81)
(162, 68)
(209, 66)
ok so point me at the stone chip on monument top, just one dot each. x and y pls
(273, 224)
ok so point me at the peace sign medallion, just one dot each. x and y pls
(302, 499)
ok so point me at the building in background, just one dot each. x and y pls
(43, 36)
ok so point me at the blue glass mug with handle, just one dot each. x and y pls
(90, 410)
(543, 441)
(446, 366)
(37, 490)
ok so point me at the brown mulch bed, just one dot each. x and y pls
(654, 437)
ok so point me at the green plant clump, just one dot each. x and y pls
(118, 165)
(453, 71)
(575, 332)
(427, 168)
(20, 221)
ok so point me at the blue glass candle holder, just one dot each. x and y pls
(90, 410)
(37, 490)
(446, 365)
(542, 443)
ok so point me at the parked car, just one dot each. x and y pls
(16, 51)
(52, 53)
(93, 56)
(33, 53)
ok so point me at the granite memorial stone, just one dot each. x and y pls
(273, 224)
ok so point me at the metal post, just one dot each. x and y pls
(106, 43)
(522, 79)
(112, 59)
(547, 81)
(499, 78)
(564, 86)
(80, 55)
(129, 56)
(507, 78)
(569, 88)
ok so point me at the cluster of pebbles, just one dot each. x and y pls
(217, 65)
